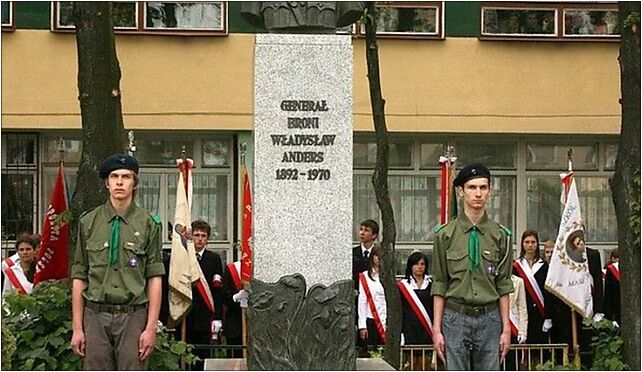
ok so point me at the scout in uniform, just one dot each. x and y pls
(117, 276)
(471, 273)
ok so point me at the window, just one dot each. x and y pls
(555, 157)
(19, 175)
(581, 21)
(409, 19)
(544, 208)
(365, 154)
(7, 16)
(205, 18)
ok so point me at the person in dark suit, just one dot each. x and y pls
(202, 324)
(234, 298)
(368, 233)
(612, 288)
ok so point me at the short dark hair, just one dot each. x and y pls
(413, 259)
(201, 225)
(372, 225)
(525, 235)
(28, 238)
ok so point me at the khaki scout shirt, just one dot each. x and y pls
(139, 256)
(451, 277)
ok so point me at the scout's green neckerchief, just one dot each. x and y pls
(473, 250)
(114, 240)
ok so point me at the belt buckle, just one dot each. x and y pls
(118, 308)
(477, 311)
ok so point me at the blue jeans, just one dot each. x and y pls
(472, 342)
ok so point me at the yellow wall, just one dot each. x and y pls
(205, 83)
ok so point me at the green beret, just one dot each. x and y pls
(470, 172)
(117, 161)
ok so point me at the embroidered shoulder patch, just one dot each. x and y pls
(506, 230)
(438, 228)
(156, 219)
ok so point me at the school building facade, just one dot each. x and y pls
(512, 85)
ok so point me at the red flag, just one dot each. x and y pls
(246, 233)
(54, 246)
(448, 202)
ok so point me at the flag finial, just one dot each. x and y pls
(243, 151)
(131, 148)
(569, 155)
(61, 150)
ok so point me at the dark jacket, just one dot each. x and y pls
(232, 326)
(200, 317)
(611, 296)
(359, 265)
(595, 268)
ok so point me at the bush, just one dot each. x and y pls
(607, 346)
(41, 325)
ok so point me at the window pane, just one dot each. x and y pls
(415, 201)
(18, 204)
(501, 205)
(598, 211)
(493, 155)
(21, 149)
(543, 206)
(422, 20)
(123, 14)
(593, 22)
(529, 22)
(148, 193)
(610, 156)
(216, 153)
(545, 209)
(366, 153)
(72, 147)
(162, 152)
(210, 202)
(184, 16)
(555, 157)
(6, 15)
(430, 153)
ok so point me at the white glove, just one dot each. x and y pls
(241, 297)
(216, 328)
(521, 339)
(615, 324)
(548, 324)
(597, 317)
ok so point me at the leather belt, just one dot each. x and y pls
(471, 310)
(113, 309)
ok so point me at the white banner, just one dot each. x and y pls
(568, 275)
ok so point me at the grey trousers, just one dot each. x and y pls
(112, 340)
(472, 342)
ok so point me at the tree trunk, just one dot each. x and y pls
(103, 132)
(625, 184)
(380, 183)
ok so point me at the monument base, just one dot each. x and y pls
(292, 328)
(363, 364)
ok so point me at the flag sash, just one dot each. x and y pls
(234, 268)
(416, 306)
(614, 268)
(204, 291)
(531, 285)
(16, 276)
(373, 308)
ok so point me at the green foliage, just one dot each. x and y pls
(8, 347)
(551, 366)
(168, 352)
(607, 346)
(41, 326)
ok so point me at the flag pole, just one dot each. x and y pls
(182, 168)
(576, 347)
(243, 150)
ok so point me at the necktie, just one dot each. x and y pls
(473, 250)
(366, 254)
(198, 257)
(114, 240)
